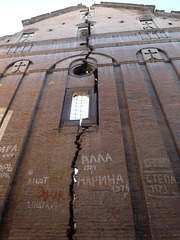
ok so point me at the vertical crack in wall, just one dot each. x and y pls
(90, 47)
(81, 129)
(89, 34)
(72, 224)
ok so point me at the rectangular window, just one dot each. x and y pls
(80, 106)
(147, 24)
(26, 37)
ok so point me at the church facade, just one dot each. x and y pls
(90, 125)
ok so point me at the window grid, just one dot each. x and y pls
(26, 37)
(79, 107)
(148, 24)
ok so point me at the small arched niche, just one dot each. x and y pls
(151, 54)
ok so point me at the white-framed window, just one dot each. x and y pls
(79, 106)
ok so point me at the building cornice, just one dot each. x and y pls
(130, 6)
(141, 7)
(172, 14)
(116, 39)
(96, 46)
(52, 14)
(80, 6)
(93, 36)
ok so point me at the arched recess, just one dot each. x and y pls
(153, 88)
(163, 75)
(110, 88)
(64, 63)
(151, 54)
(80, 74)
(11, 78)
(110, 136)
(13, 99)
(18, 67)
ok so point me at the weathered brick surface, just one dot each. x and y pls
(128, 181)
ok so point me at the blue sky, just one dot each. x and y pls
(12, 12)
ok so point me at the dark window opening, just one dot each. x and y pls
(82, 67)
(83, 33)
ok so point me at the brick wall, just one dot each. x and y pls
(127, 186)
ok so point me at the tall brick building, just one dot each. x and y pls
(90, 125)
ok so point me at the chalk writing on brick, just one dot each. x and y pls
(90, 168)
(89, 160)
(5, 170)
(160, 178)
(121, 188)
(8, 151)
(4, 175)
(9, 148)
(30, 172)
(42, 205)
(6, 167)
(156, 162)
(101, 180)
(163, 184)
(39, 181)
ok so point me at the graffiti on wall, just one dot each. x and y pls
(5, 170)
(45, 194)
(38, 181)
(159, 178)
(8, 151)
(115, 181)
(49, 199)
(45, 198)
(90, 162)
(42, 205)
